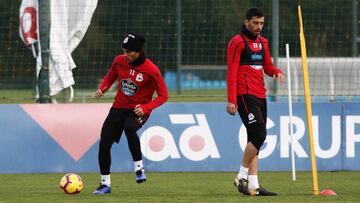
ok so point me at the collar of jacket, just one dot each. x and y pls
(248, 34)
(139, 61)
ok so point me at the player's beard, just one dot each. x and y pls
(255, 32)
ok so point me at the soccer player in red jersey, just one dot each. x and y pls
(138, 78)
(248, 56)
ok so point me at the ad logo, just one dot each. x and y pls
(195, 142)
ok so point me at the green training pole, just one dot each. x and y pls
(275, 43)
(44, 29)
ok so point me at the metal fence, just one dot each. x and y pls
(187, 39)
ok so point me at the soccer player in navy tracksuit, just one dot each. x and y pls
(248, 56)
(138, 78)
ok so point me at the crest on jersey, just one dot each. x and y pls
(128, 87)
(139, 77)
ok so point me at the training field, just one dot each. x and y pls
(180, 187)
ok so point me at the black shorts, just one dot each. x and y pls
(253, 114)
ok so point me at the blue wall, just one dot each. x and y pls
(177, 137)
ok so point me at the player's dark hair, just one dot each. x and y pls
(251, 12)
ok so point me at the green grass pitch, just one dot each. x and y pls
(85, 96)
(180, 187)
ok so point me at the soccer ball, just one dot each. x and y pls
(71, 183)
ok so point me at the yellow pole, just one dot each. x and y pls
(308, 103)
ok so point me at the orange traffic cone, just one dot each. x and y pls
(327, 192)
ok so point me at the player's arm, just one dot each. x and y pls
(233, 60)
(269, 67)
(161, 90)
(107, 81)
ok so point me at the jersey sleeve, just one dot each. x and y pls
(233, 61)
(269, 67)
(109, 78)
(161, 90)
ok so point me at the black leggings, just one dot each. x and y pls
(117, 121)
(253, 114)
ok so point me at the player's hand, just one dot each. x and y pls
(138, 110)
(98, 94)
(280, 77)
(231, 108)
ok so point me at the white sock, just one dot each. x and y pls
(253, 182)
(105, 180)
(138, 165)
(243, 172)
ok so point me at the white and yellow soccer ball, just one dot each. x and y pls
(71, 183)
